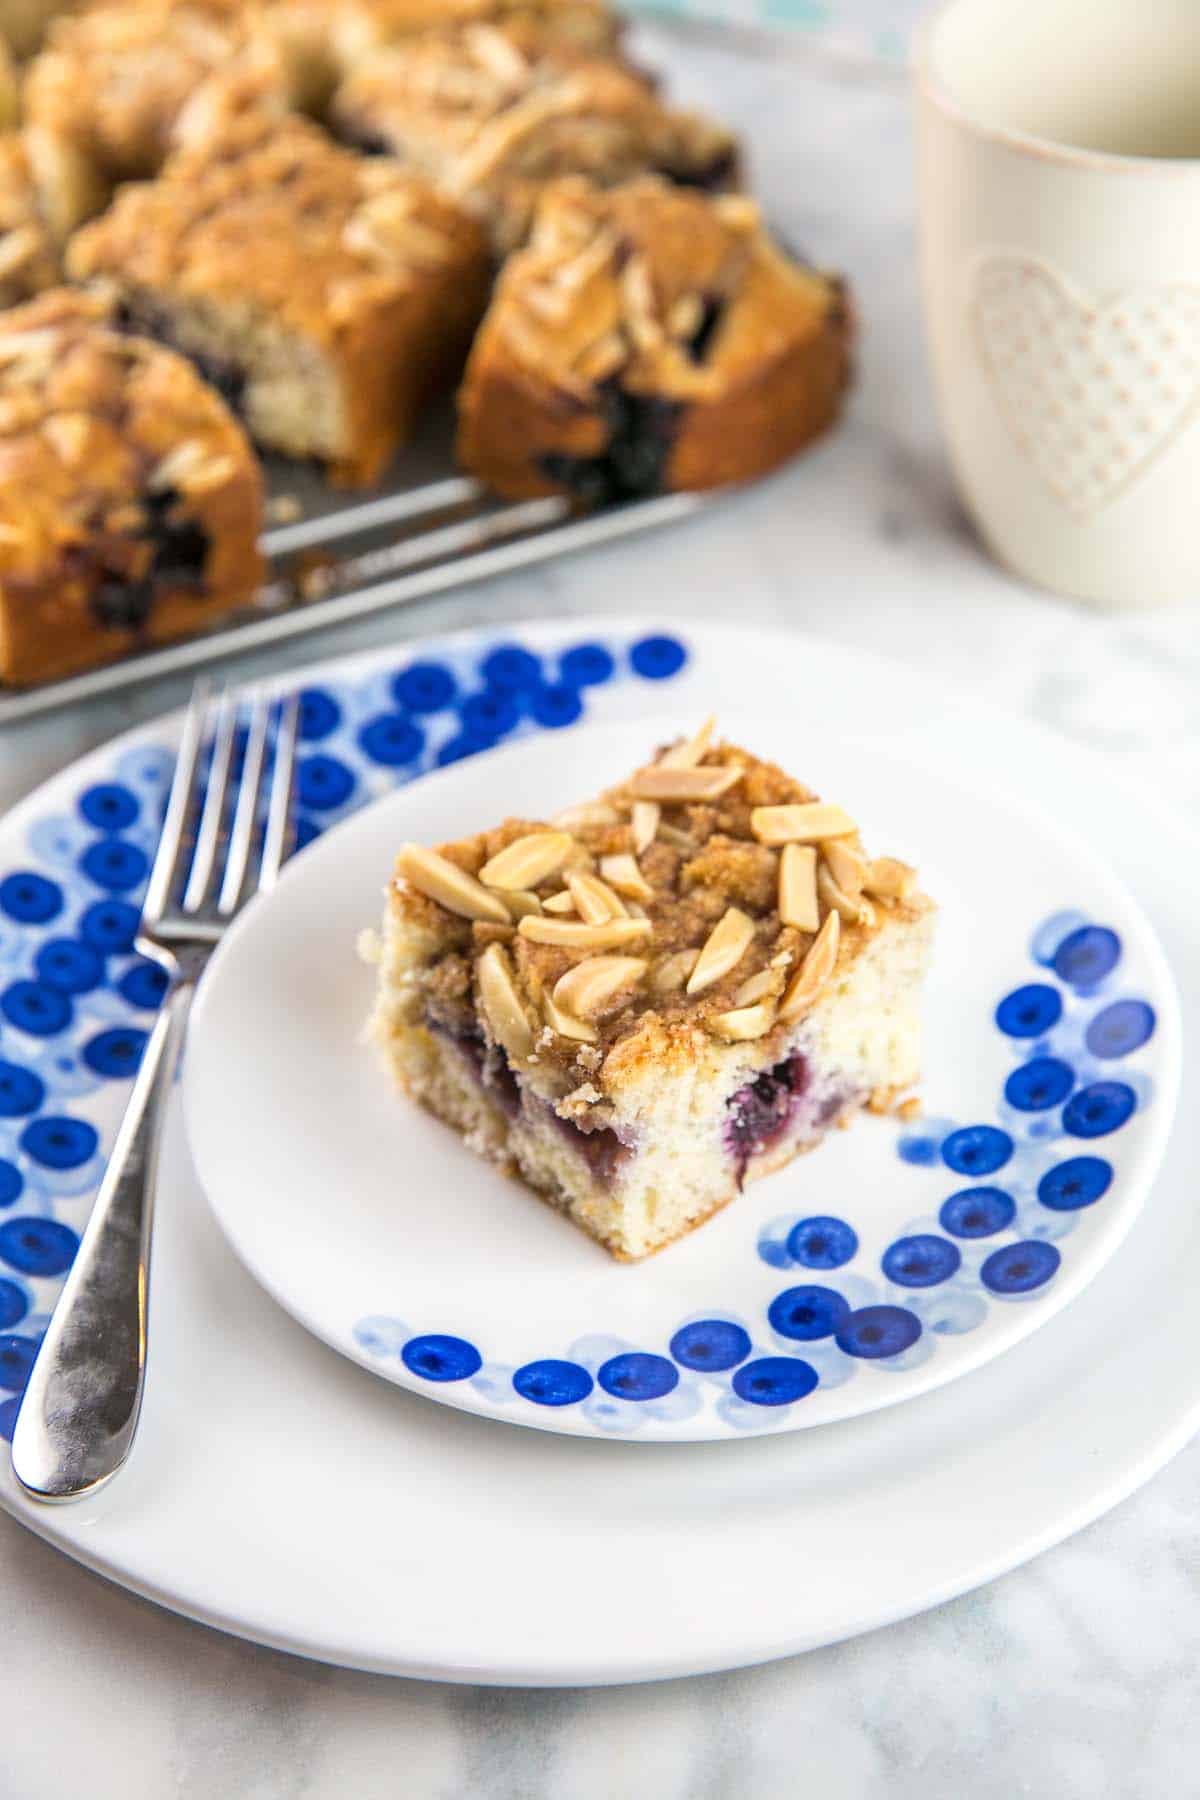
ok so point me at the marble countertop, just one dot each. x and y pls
(1074, 1677)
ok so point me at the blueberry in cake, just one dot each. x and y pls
(328, 293)
(130, 499)
(495, 114)
(649, 1001)
(648, 339)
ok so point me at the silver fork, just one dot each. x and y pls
(80, 1411)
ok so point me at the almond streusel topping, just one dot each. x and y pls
(730, 917)
(640, 283)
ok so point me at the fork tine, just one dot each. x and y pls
(165, 872)
(245, 817)
(275, 843)
(208, 835)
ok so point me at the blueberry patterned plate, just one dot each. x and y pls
(889, 1262)
(278, 1493)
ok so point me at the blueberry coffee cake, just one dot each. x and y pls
(130, 499)
(492, 115)
(326, 293)
(101, 100)
(29, 259)
(650, 1000)
(648, 339)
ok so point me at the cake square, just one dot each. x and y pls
(102, 100)
(649, 339)
(649, 1001)
(329, 293)
(130, 498)
(493, 115)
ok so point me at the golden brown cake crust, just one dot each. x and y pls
(494, 114)
(272, 221)
(661, 304)
(362, 27)
(102, 99)
(29, 261)
(693, 863)
(130, 500)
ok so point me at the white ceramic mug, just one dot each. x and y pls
(1059, 156)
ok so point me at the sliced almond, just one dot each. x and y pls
(528, 860)
(766, 985)
(727, 943)
(646, 815)
(744, 1022)
(566, 934)
(622, 873)
(683, 785)
(594, 900)
(798, 887)
(441, 880)
(520, 902)
(673, 971)
(846, 864)
(851, 910)
(890, 879)
(567, 1025)
(563, 902)
(678, 840)
(813, 972)
(502, 1003)
(591, 812)
(587, 987)
(806, 824)
(689, 751)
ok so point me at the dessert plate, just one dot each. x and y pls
(894, 1259)
(281, 1493)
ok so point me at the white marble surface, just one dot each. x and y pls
(1078, 1676)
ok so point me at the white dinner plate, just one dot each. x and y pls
(282, 1493)
(896, 1259)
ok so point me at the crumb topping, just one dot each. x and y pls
(494, 114)
(731, 920)
(107, 442)
(272, 212)
(663, 290)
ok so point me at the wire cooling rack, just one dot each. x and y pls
(336, 563)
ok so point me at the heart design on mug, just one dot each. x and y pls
(1091, 391)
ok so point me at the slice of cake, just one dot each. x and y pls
(101, 101)
(647, 1002)
(493, 115)
(328, 293)
(130, 498)
(649, 339)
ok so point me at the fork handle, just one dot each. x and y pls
(80, 1411)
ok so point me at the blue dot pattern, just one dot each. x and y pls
(710, 1345)
(551, 1382)
(638, 1375)
(438, 1357)
(933, 1284)
(77, 1002)
(774, 1381)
